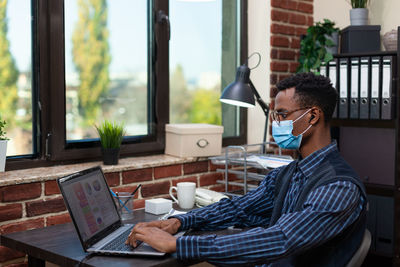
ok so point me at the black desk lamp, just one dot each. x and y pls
(242, 92)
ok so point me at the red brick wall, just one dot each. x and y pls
(37, 205)
(289, 20)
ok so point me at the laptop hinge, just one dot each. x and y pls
(48, 144)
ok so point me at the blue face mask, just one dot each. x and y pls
(283, 136)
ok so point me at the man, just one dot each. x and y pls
(309, 213)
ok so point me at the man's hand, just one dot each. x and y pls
(170, 226)
(155, 237)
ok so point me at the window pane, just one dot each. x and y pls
(16, 74)
(106, 66)
(203, 59)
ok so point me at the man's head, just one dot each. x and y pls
(312, 91)
(307, 101)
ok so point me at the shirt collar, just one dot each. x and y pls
(308, 164)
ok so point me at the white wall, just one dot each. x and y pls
(258, 41)
(381, 12)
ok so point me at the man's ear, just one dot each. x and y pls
(315, 115)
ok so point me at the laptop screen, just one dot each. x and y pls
(90, 203)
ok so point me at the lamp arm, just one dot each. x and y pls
(261, 102)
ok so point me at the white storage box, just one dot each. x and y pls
(157, 205)
(193, 140)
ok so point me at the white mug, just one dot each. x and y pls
(186, 194)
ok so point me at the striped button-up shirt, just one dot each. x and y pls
(328, 210)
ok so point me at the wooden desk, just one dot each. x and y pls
(60, 245)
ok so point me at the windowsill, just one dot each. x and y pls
(124, 164)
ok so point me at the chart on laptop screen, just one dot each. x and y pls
(90, 204)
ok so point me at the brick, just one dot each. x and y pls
(151, 190)
(128, 189)
(297, 19)
(274, 53)
(285, 4)
(7, 254)
(58, 219)
(22, 264)
(138, 204)
(10, 212)
(137, 176)
(167, 171)
(218, 188)
(51, 188)
(301, 31)
(195, 167)
(210, 178)
(273, 91)
(310, 20)
(282, 29)
(279, 41)
(20, 192)
(214, 167)
(112, 178)
(283, 76)
(295, 43)
(279, 66)
(273, 78)
(44, 206)
(305, 7)
(293, 66)
(272, 104)
(286, 54)
(280, 16)
(192, 179)
(22, 226)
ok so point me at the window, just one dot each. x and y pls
(16, 76)
(204, 53)
(93, 60)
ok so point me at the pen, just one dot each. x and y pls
(119, 200)
(132, 194)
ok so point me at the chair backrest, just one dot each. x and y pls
(361, 252)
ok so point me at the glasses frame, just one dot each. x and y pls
(275, 115)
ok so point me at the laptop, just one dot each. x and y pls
(94, 214)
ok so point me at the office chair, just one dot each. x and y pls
(361, 252)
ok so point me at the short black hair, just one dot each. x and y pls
(312, 90)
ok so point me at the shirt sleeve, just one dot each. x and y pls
(252, 209)
(328, 210)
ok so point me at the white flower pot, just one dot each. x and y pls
(358, 16)
(3, 153)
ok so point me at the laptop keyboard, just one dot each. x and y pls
(118, 244)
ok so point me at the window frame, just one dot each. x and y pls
(48, 74)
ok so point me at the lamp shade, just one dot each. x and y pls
(239, 93)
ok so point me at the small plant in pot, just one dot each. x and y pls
(3, 145)
(314, 46)
(111, 135)
(359, 12)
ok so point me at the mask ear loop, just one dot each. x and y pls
(302, 115)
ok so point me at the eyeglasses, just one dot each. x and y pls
(279, 116)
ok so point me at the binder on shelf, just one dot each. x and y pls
(343, 89)
(354, 88)
(332, 67)
(386, 97)
(364, 88)
(322, 70)
(374, 107)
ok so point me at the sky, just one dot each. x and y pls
(195, 35)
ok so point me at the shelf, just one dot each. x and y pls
(363, 123)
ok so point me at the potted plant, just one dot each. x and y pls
(359, 12)
(314, 46)
(3, 145)
(111, 135)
